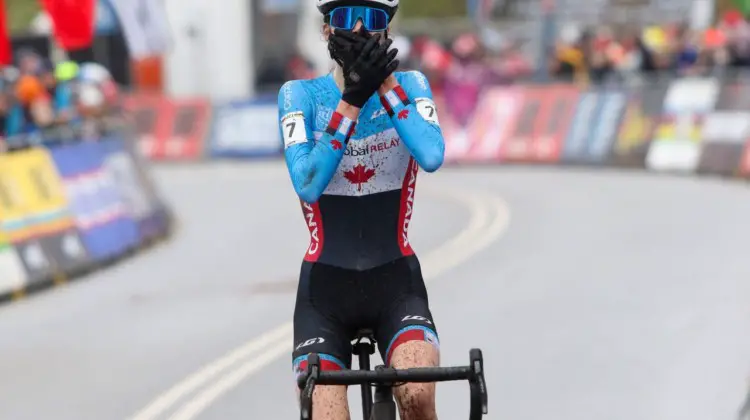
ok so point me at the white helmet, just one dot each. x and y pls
(390, 6)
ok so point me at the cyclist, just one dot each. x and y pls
(354, 141)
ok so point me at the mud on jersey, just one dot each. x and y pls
(356, 180)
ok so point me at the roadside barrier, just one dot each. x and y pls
(70, 207)
(688, 125)
(656, 122)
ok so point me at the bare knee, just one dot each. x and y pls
(329, 403)
(415, 401)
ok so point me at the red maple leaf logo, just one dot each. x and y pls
(403, 114)
(336, 144)
(359, 175)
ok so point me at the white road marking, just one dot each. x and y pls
(210, 371)
(233, 378)
(483, 229)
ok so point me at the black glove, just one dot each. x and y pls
(345, 49)
(364, 76)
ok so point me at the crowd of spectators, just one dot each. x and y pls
(596, 54)
(41, 101)
(459, 70)
(37, 96)
(585, 55)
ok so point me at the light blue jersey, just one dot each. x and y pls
(356, 182)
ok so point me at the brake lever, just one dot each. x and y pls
(477, 385)
(306, 394)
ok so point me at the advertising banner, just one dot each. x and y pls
(677, 144)
(169, 129)
(725, 134)
(692, 95)
(542, 124)
(156, 223)
(612, 108)
(146, 113)
(641, 116)
(38, 266)
(13, 216)
(98, 211)
(17, 228)
(734, 95)
(12, 273)
(246, 129)
(58, 238)
(190, 121)
(594, 128)
(518, 147)
(744, 169)
(66, 251)
(457, 143)
(121, 168)
(492, 123)
(581, 129)
(42, 230)
(555, 123)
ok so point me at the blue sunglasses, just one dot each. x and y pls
(345, 18)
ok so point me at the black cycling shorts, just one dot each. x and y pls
(334, 303)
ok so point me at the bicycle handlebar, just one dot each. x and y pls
(391, 375)
(474, 373)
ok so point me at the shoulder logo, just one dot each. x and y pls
(287, 91)
(421, 80)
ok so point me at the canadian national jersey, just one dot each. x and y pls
(356, 180)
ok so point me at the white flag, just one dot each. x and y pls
(145, 25)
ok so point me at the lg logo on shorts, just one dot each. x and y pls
(310, 342)
(416, 318)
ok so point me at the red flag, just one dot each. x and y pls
(5, 47)
(73, 22)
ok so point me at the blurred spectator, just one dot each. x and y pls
(29, 62)
(569, 62)
(299, 68)
(687, 52)
(432, 59)
(599, 49)
(66, 74)
(467, 75)
(511, 63)
(44, 101)
(629, 55)
(5, 115)
(13, 115)
(47, 77)
(35, 103)
(737, 31)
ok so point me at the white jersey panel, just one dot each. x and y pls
(371, 165)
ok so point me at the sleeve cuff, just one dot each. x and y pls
(394, 99)
(341, 126)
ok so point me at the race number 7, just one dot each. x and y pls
(291, 126)
(427, 110)
(290, 133)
